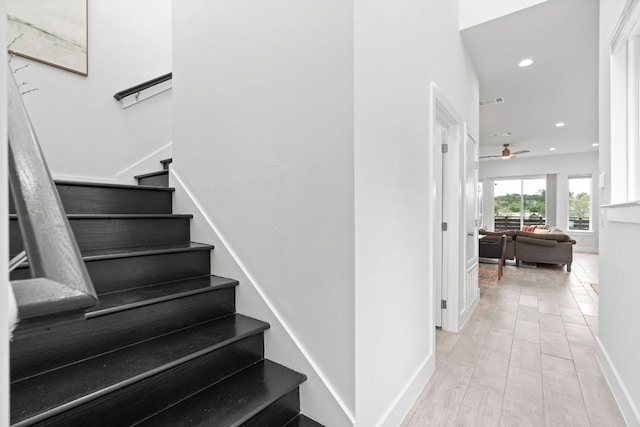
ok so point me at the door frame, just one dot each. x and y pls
(443, 112)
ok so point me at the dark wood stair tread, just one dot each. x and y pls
(126, 252)
(118, 216)
(53, 392)
(149, 174)
(233, 401)
(302, 421)
(132, 298)
(114, 185)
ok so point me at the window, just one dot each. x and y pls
(519, 202)
(625, 105)
(580, 203)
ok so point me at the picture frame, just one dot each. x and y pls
(53, 32)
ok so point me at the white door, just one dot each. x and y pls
(440, 243)
(471, 217)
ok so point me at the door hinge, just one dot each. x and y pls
(444, 226)
(445, 148)
(443, 304)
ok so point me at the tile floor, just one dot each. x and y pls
(526, 357)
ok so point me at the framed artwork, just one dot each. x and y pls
(53, 32)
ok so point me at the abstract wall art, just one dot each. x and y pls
(50, 31)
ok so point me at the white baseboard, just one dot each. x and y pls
(401, 406)
(585, 249)
(150, 163)
(625, 402)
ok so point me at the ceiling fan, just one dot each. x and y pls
(506, 153)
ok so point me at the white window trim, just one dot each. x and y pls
(625, 63)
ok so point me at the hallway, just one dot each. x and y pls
(526, 357)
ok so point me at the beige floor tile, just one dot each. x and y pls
(588, 309)
(584, 359)
(551, 323)
(559, 375)
(491, 369)
(554, 344)
(431, 415)
(527, 313)
(529, 300)
(579, 334)
(549, 307)
(562, 410)
(527, 331)
(598, 399)
(499, 340)
(571, 315)
(481, 406)
(520, 418)
(449, 385)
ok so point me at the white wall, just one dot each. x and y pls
(564, 165)
(263, 139)
(619, 350)
(84, 132)
(400, 47)
(474, 12)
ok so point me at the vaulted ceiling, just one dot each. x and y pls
(561, 37)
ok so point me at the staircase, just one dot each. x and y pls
(164, 347)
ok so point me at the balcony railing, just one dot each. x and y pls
(513, 223)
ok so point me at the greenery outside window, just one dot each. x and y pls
(519, 202)
(580, 203)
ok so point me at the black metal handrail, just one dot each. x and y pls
(62, 282)
(142, 86)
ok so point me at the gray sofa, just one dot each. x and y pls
(549, 245)
(553, 247)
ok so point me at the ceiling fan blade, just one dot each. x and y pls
(486, 157)
(519, 152)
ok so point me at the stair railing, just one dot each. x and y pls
(61, 282)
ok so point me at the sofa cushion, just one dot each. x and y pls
(537, 241)
(498, 233)
(558, 237)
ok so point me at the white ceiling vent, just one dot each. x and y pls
(498, 100)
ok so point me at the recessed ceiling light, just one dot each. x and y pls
(560, 124)
(552, 149)
(525, 62)
(595, 144)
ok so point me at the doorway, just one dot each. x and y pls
(454, 213)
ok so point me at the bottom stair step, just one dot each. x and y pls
(238, 399)
(135, 382)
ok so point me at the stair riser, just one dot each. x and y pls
(119, 274)
(157, 180)
(278, 413)
(37, 348)
(117, 233)
(154, 394)
(78, 199)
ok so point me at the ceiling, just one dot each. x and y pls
(561, 36)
